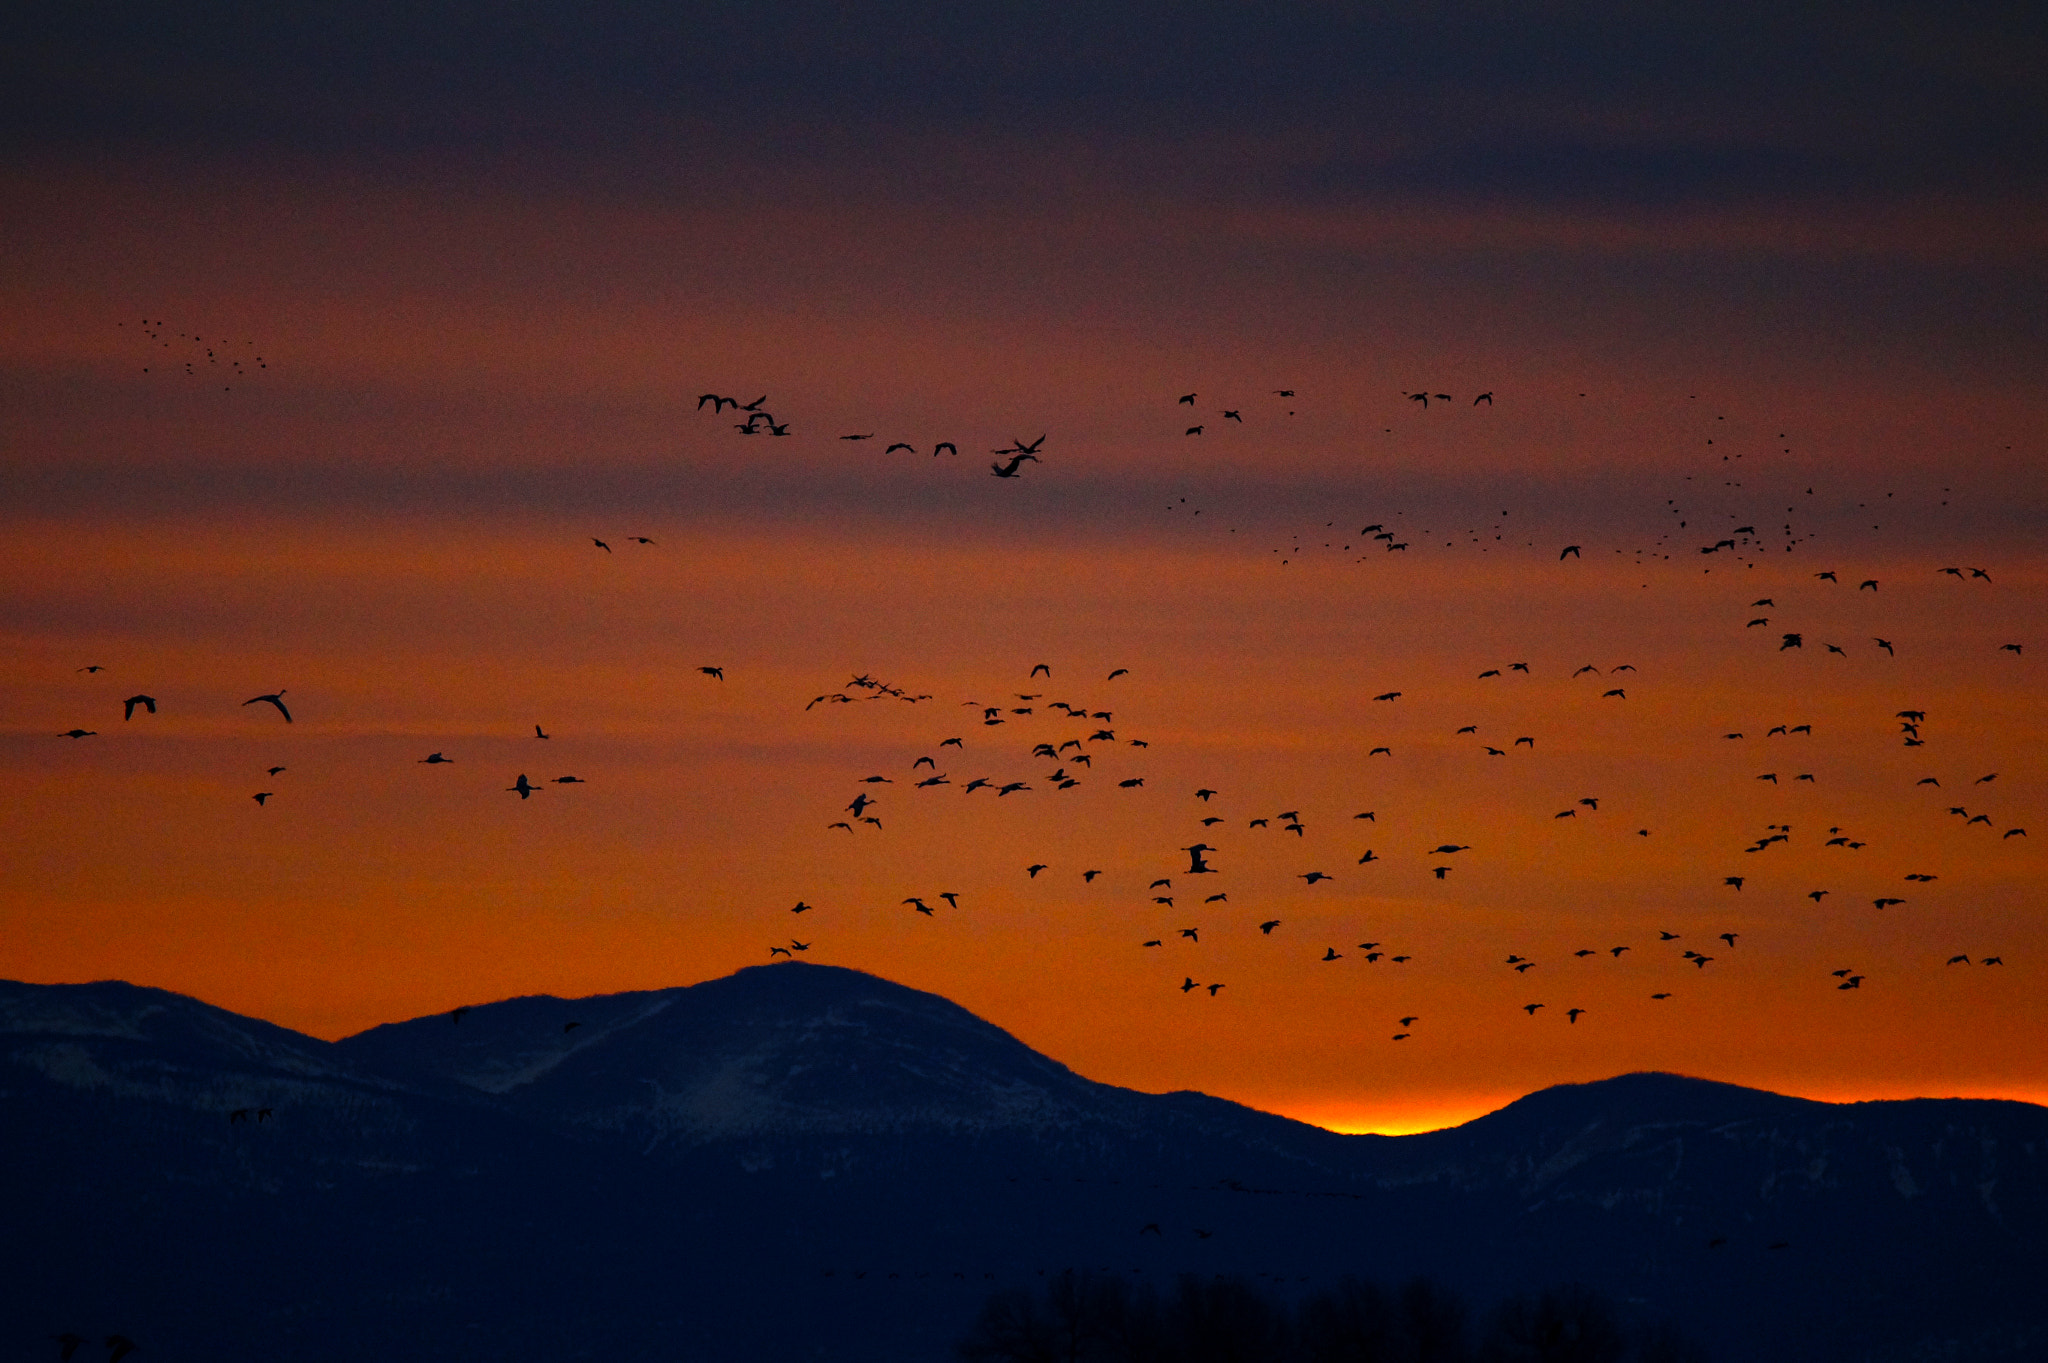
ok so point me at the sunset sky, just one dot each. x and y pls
(330, 342)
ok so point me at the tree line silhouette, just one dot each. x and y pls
(1100, 1318)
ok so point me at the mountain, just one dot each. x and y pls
(799, 1055)
(801, 1161)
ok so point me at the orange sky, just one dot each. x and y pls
(393, 521)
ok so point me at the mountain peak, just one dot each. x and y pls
(787, 1049)
(53, 1021)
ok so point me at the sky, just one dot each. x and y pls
(332, 341)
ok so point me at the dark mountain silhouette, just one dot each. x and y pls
(801, 1161)
(801, 1053)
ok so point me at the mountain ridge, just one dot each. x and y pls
(746, 1150)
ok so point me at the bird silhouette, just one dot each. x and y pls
(1009, 470)
(274, 698)
(128, 705)
(523, 786)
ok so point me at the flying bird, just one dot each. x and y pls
(147, 702)
(523, 786)
(274, 698)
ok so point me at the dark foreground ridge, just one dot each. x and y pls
(805, 1162)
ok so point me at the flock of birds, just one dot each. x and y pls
(197, 356)
(1073, 759)
(1045, 747)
